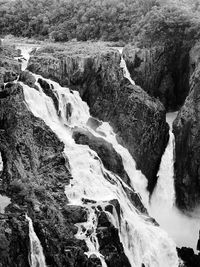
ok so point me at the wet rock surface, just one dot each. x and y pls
(138, 119)
(48, 90)
(110, 245)
(27, 78)
(162, 71)
(110, 158)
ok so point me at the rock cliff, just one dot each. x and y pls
(9, 67)
(186, 129)
(138, 119)
(162, 71)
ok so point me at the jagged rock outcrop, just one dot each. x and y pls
(186, 129)
(9, 67)
(162, 71)
(138, 119)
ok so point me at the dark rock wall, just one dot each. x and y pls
(14, 240)
(163, 72)
(186, 129)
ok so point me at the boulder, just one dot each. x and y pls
(48, 90)
(27, 78)
(137, 118)
(162, 71)
(110, 158)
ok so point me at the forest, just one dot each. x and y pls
(106, 20)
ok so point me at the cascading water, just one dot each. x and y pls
(36, 257)
(4, 201)
(125, 70)
(87, 232)
(143, 242)
(164, 193)
(183, 228)
(1, 163)
(162, 203)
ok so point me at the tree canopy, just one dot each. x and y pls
(107, 20)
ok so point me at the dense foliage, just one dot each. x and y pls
(63, 20)
(108, 20)
(169, 25)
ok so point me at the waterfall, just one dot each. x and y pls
(124, 67)
(1, 163)
(36, 258)
(183, 228)
(87, 232)
(164, 192)
(143, 242)
(4, 200)
(138, 180)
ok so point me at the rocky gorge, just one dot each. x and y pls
(34, 176)
(36, 163)
(96, 74)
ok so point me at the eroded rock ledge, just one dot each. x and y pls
(137, 118)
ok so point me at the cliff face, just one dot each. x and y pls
(186, 129)
(9, 67)
(138, 119)
(163, 72)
